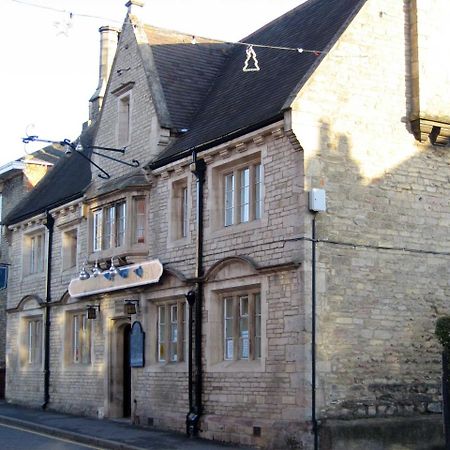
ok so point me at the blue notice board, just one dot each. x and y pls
(137, 345)
(3, 277)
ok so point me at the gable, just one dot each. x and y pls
(239, 102)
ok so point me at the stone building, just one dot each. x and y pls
(272, 271)
(17, 178)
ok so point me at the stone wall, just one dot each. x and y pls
(12, 192)
(383, 242)
(381, 263)
(146, 136)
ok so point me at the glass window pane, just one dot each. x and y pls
(228, 328)
(120, 210)
(244, 343)
(108, 227)
(32, 254)
(229, 199)
(139, 233)
(39, 253)
(97, 233)
(245, 195)
(257, 325)
(173, 333)
(76, 339)
(38, 341)
(184, 212)
(183, 330)
(258, 191)
(86, 341)
(162, 333)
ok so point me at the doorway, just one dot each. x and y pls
(126, 372)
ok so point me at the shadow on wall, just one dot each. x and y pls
(383, 256)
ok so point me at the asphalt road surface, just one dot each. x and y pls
(14, 438)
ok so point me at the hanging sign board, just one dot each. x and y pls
(137, 347)
(146, 272)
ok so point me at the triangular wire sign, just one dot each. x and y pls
(251, 55)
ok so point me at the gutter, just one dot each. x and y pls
(50, 222)
(42, 212)
(213, 142)
(14, 165)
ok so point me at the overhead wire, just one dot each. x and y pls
(249, 45)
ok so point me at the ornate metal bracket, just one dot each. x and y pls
(71, 147)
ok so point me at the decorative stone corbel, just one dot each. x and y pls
(278, 133)
(149, 175)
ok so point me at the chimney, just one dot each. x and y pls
(108, 45)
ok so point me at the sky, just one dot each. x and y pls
(50, 56)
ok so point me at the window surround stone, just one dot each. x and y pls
(176, 184)
(150, 326)
(26, 251)
(24, 320)
(76, 309)
(69, 262)
(128, 248)
(214, 293)
(215, 179)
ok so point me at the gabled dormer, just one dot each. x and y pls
(158, 81)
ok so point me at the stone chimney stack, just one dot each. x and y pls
(108, 46)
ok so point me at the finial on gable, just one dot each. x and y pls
(132, 4)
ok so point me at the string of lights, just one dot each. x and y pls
(250, 46)
(71, 14)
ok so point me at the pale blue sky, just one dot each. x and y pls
(51, 68)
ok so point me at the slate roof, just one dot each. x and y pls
(185, 71)
(133, 179)
(48, 154)
(238, 101)
(67, 181)
(208, 97)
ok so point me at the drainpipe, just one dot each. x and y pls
(198, 168)
(313, 335)
(50, 221)
(190, 297)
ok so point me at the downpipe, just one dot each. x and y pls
(49, 224)
(195, 301)
(315, 429)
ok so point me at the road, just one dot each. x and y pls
(15, 438)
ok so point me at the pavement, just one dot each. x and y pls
(102, 433)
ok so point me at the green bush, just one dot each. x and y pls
(443, 331)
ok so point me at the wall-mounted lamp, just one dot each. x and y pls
(92, 311)
(190, 297)
(113, 270)
(84, 274)
(130, 307)
(96, 271)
